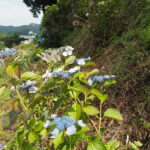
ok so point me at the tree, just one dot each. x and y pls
(38, 5)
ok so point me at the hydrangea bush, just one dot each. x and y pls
(58, 102)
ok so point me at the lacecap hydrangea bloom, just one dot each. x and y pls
(29, 85)
(93, 79)
(63, 123)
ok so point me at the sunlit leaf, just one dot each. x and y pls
(76, 111)
(30, 76)
(13, 71)
(90, 110)
(70, 59)
(58, 140)
(32, 137)
(113, 113)
(96, 144)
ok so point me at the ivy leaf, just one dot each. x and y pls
(13, 71)
(90, 110)
(96, 145)
(113, 113)
(30, 76)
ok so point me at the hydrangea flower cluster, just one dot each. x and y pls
(7, 53)
(65, 51)
(64, 74)
(81, 61)
(63, 123)
(29, 85)
(93, 79)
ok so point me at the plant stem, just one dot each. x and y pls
(100, 117)
(21, 100)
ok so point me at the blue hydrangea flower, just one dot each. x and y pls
(63, 122)
(59, 123)
(54, 133)
(68, 121)
(93, 79)
(81, 61)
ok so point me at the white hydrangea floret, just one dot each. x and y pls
(47, 124)
(54, 116)
(80, 123)
(32, 89)
(71, 130)
(75, 69)
(54, 133)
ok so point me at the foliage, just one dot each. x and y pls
(11, 40)
(63, 85)
(38, 5)
(21, 30)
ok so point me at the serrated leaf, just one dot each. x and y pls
(76, 111)
(32, 137)
(30, 76)
(113, 113)
(38, 127)
(80, 87)
(70, 59)
(58, 140)
(109, 82)
(90, 110)
(93, 72)
(96, 145)
(13, 71)
(112, 145)
(20, 137)
(43, 133)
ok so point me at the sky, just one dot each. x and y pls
(16, 13)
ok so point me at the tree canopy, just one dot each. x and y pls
(38, 5)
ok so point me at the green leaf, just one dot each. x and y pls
(58, 140)
(38, 127)
(20, 137)
(113, 113)
(80, 87)
(99, 95)
(13, 71)
(109, 82)
(93, 72)
(70, 59)
(43, 133)
(113, 145)
(96, 145)
(90, 110)
(32, 123)
(30, 76)
(2, 90)
(32, 137)
(76, 111)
